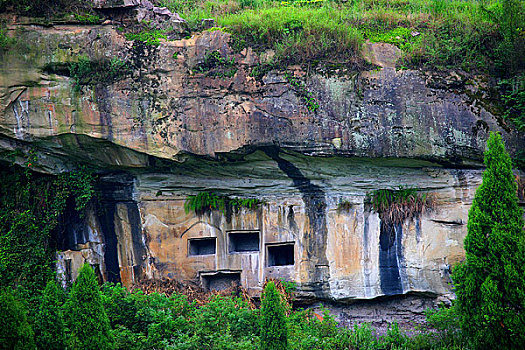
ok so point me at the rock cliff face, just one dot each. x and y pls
(177, 122)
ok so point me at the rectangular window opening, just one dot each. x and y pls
(243, 242)
(202, 246)
(281, 254)
(221, 280)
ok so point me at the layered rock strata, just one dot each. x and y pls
(172, 126)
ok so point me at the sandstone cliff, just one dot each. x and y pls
(303, 142)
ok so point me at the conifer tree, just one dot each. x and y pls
(15, 332)
(49, 322)
(274, 332)
(490, 284)
(87, 321)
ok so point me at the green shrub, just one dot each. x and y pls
(445, 321)
(87, 322)
(226, 322)
(5, 40)
(15, 332)
(273, 320)
(141, 321)
(150, 37)
(49, 322)
(490, 284)
(88, 18)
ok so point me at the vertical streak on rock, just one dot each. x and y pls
(139, 251)
(107, 221)
(315, 237)
(390, 257)
(106, 123)
(367, 263)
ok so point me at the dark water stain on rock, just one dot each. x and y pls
(315, 236)
(107, 222)
(390, 256)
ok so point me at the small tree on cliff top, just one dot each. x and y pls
(88, 323)
(490, 284)
(274, 332)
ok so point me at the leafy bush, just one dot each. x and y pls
(445, 321)
(5, 40)
(296, 35)
(150, 37)
(513, 98)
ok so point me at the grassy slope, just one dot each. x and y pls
(452, 34)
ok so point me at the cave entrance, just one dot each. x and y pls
(220, 280)
(202, 246)
(243, 242)
(281, 254)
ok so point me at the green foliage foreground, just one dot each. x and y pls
(112, 317)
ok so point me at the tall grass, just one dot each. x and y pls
(297, 35)
(467, 34)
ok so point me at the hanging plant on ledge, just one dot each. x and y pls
(205, 202)
(398, 205)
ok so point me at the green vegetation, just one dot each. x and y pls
(490, 284)
(482, 36)
(49, 322)
(214, 321)
(398, 205)
(216, 65)
(148, 36)
(513, 96)
(344, 206)
(88, 18)
(5, 40)
(16, 332)
(205, 202)
(274, 332)
(31, 207)
(302, 92)
(297, 35)
(86, 319)
(92, 73)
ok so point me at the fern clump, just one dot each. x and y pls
(205, 202)
(398, 205)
